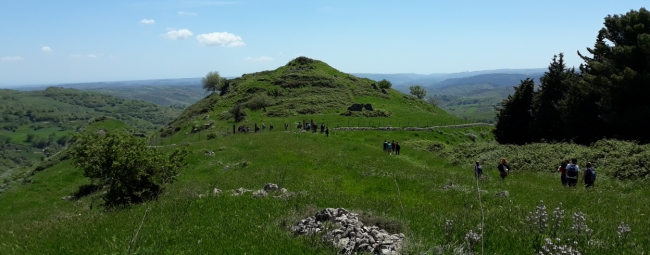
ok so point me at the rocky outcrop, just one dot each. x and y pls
(345, 231)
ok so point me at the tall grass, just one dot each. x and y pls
(347, 169)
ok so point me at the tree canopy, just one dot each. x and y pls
(384, 84)
(418, 91)
(213, 82)
(608, 98)
(130, 171)
(514, 117)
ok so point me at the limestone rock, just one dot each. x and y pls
(270, 187)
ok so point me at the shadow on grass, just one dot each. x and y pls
(85, 190)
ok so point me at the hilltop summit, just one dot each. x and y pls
(303, 86)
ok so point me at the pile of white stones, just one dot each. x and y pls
(346, 232)
(268, 188)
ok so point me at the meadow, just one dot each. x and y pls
(415, 193)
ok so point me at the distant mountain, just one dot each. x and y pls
(431, 79)
(496, 79)
(116, 84)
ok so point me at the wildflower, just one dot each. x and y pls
(550, 248)
(623, 230)
(449, 225)
(539, 218)
(472, 238)
(580, 224)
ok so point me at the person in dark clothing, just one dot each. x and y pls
(590, 175)
(385, 145)
(393, 147)
(327, 132)
(572, 173)
(504, 168)
(270, 127)
(562, 170)
(286, 126)
(397, 148)
(478, 170)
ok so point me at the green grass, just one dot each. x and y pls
(347, 169)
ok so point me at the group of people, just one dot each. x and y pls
(391, 147)
(313, 126)
(503, 167)
(570, 172)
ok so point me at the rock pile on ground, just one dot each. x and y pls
(269, 188)
(346, 232)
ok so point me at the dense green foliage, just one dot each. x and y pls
(213, 82)
(418, 91)
(514, 116)
(130, 171)
(608, 99)
(384, 84)
(37, 124)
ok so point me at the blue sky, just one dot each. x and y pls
(65, 41)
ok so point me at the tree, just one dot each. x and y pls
(514, 116)
(384, 84)
(213, 82)
(547, 118)
(238, 112)
(418, 91)
(130, 171)
(619, 71)
(259, 101)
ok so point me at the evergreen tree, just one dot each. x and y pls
(514, 117)
(547, 118)
(617, 77)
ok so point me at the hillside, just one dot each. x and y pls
(307, 89)
(36, 124)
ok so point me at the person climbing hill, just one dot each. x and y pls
(504, 168)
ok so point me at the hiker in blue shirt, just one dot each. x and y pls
(572, 173)
(389, 149)
(590, 175)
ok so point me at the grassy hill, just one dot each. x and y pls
(428, 193)
(307, 89)
(36, 124)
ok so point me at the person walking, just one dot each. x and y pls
(389, 149)
(385, 145)
(393, 147)
(590, 175)
(327, 132)
(397, 147)
(572, 173)
(504, 168)
(562, 170)
(478, 170)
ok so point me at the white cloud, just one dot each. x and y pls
(46, 49)
(220, 38)
(179, 34)
(148, 22)
(86, 56)
(260, 59)
(11, 58)
(182, 13)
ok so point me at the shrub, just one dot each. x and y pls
(238, 113)
(211, 136)
(131, 171)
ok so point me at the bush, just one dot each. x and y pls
(238, 113)
(211, 136)
(384, 84)
(131, 171)
(259, 102)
